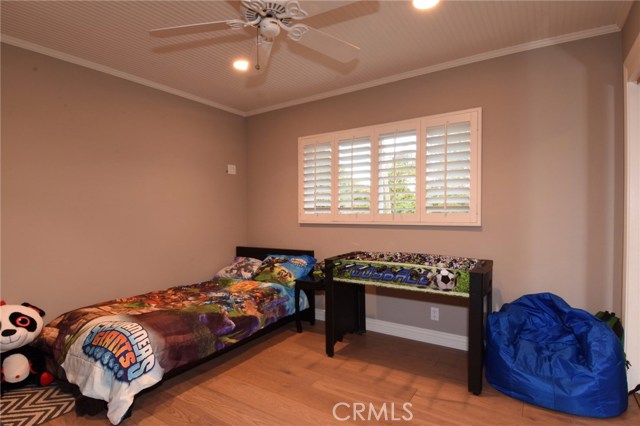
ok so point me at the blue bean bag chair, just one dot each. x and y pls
(542, 351)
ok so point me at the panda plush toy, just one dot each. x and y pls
(21, 364)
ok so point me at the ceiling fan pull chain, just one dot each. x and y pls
(257, 49)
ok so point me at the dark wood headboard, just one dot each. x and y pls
(262, 252)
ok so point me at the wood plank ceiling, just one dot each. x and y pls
(396, 42)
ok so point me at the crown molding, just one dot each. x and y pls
(114, 72)
(443, 66)
(594, 32)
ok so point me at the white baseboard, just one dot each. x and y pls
(439, 338)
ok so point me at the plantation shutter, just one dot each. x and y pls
(448, 167)
(317, 164)
(422, 171)
(354, 176)
(397, 172)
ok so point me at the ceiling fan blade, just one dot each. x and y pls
(317, 7)
(261, 53)
(323, 43)
(196, 28)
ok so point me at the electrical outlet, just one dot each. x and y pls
(435, 314)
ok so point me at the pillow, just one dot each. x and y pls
(242, 268)
(274, 274)
(298, 266)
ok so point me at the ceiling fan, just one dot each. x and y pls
(269, 18)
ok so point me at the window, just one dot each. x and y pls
(424, 171)
(397, 172)
(354, 176)
(317, 178)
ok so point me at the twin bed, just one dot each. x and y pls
(114, 350)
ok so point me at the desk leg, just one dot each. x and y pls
(361, 320)
(329, 320)
(475, 352)
(311, 295)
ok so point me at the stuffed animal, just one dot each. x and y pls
(21, 364)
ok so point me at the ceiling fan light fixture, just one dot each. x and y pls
(269, 27)
(424, 4)
(241, 64)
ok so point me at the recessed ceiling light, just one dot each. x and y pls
(241, 64)
(425, 4)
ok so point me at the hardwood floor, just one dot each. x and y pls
(286, 379)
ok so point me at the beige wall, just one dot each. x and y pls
(552, 175)
(110, 188)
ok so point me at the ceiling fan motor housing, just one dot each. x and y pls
(257, 9)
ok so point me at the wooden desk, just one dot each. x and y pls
(345, 311)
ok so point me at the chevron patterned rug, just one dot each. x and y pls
(31, 406)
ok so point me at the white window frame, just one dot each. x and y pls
(420, 217)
